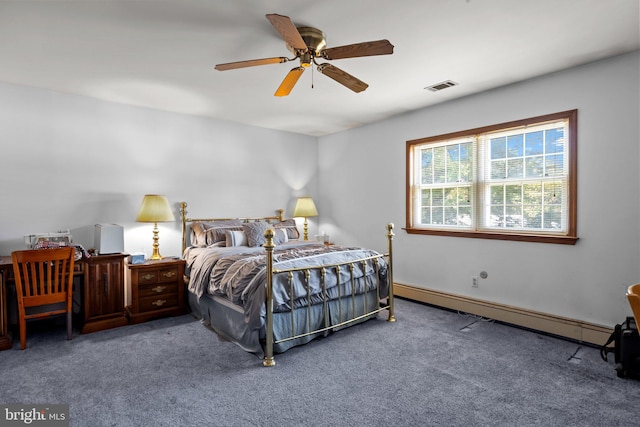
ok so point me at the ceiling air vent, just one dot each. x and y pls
(443, 85)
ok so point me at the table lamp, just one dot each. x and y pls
(155, 208)
(305, 208)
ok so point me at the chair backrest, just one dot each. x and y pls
(44, 276)
(633, 295)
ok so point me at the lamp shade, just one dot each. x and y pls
(305, 208)
(155, 208)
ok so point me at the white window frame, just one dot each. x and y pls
(479, 225)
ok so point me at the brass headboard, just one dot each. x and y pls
(185, 220)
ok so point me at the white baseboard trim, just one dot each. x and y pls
(564, 327)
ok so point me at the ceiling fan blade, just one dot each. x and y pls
(342, 77)
(378, 47)
(289, 81)
(250, 63)
(287, 30)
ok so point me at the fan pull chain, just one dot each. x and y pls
(312, 77)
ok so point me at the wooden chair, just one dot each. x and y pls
(44, 285)
(633, 295)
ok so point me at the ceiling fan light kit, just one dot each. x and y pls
(309, 44)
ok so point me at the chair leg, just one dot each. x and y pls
(23, 333)
(69, 326)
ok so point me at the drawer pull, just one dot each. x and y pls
(148, 276)
(169, 274)
(159, 289)
(159, 303)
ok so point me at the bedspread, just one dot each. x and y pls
(239, 274)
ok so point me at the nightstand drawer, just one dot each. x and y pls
(157, 289)
(158, 302)
(168, 275)
(148, 276)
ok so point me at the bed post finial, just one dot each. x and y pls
(268, 247)
(183, 219)
(392, 314)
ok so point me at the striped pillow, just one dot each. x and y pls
(289, 225)
(236, 238)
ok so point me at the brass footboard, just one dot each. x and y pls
(271, 273)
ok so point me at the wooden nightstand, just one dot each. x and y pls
(157, 289)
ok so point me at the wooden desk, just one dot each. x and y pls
(5, 337)
(98, 294)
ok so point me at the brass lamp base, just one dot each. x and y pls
(306, 225)
(156, 246)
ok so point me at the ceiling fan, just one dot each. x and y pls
(309, 44)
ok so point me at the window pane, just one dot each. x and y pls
(464, 196)
(426, 215)
(534, 143)
(497, 194)
(532, 194)
(515, 169)
(554, 165)
(437, 216)
(427, 165)
(466, 162)
(451, 196)
(552, 217)
(532, 217)
(464, 216)
(554, 141)
(498, 169)
(498, 148)
(513, 194)
(497, 216)
(437, 197)
(439, 164)
(553, 193)
(426, 197)
(513, 217)
(453, 162)
(515, 146)
(534, 167)
(451, 216)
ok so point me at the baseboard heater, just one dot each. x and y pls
(576, 330)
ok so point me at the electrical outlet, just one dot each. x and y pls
(474, 282)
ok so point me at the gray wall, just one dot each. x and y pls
(586, 281)
(73, 162)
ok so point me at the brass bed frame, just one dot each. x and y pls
(271, 272)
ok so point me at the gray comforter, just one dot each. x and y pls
(239, 273)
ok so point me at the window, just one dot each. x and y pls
(512, 181)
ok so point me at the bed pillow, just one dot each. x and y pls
(236, 238)
(289, 225)
(219, 234)
(199, 233)
(255, 232)
(205, 233)
(280, 236)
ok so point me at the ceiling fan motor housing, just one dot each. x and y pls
(313, 38)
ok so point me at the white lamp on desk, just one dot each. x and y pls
(155, 208)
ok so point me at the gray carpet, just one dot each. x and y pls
(430, 368)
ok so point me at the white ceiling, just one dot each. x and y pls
(161, 53)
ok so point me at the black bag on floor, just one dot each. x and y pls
(626, 348)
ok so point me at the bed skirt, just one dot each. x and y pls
(228, 320)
